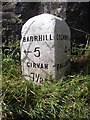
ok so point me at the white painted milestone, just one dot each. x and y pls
(45, 48)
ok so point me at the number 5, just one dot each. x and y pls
(38, 52)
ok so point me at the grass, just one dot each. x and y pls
(24, 100)
(53, 100)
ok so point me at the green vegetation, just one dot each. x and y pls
(66, 99)
(60, 100)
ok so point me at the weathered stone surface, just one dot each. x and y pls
(45, 48)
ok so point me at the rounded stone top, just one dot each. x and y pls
(43, 18)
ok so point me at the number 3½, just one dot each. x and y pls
(37, 52)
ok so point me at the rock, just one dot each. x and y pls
(45, 48)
